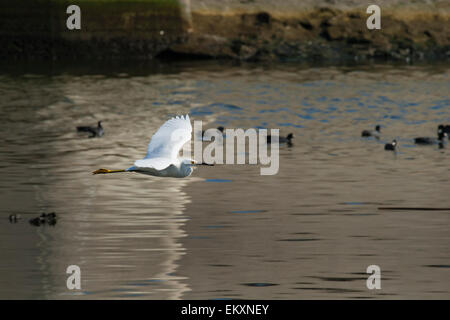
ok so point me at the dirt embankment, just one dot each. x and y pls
(320, 30)
(300, 30)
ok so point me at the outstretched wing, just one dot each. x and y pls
(152, 163)
(170, 138)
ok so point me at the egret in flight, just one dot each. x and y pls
(162, 158)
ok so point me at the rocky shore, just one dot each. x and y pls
(261, 30)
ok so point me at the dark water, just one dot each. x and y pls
(225, 232)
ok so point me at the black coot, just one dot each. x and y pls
(44, 218)
(13, 218)
(430, 141)
(221, 129)
(391, 146)
(446, 130)
(95, 131)
(370, 133)
(287, 139)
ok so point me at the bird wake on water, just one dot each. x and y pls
(162, 158)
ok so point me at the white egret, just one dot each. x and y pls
(162, 154)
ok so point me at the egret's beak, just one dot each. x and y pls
(205, 164)
(103, 171)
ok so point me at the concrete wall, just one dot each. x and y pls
(109, 28)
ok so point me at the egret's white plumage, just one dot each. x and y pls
(162, 154)
(170, 138)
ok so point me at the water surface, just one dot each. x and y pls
(225, 232)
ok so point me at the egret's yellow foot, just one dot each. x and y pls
(106, 171)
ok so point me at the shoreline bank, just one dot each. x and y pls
(239, 30)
